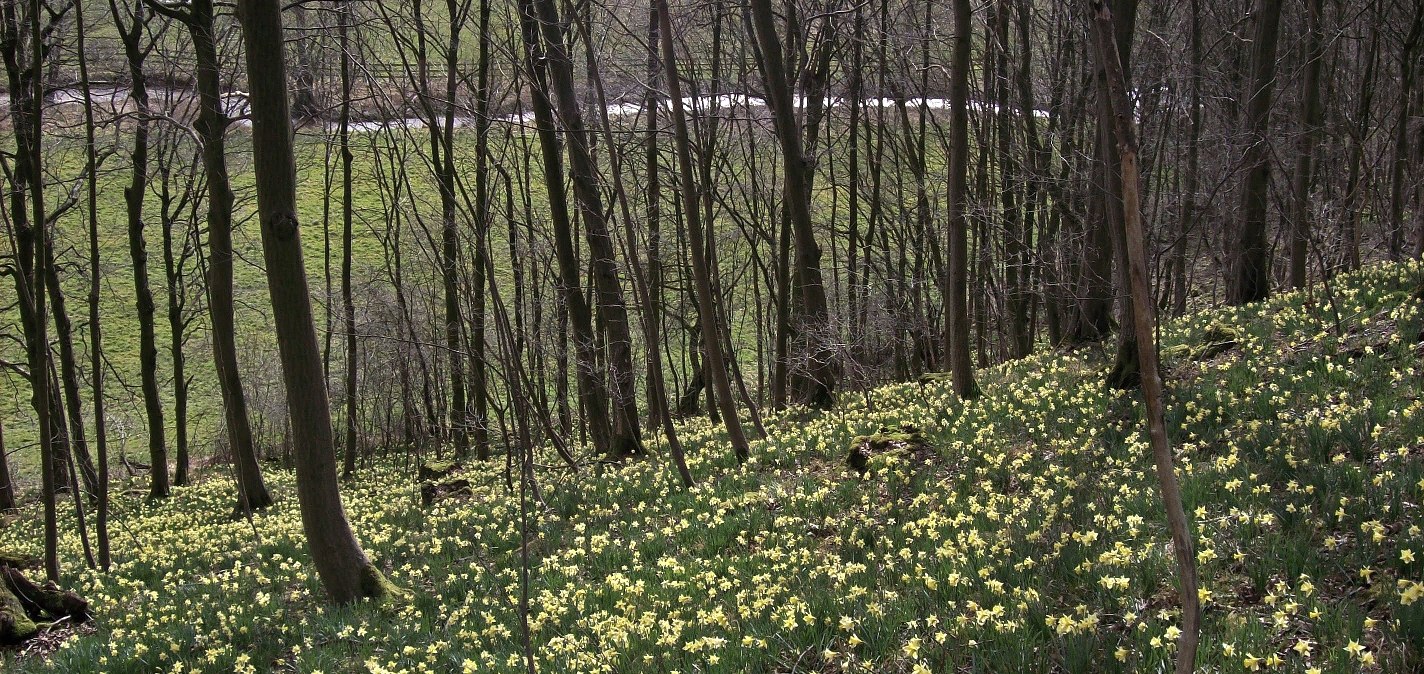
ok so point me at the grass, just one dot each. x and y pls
(373, 293)
(1032, 537)
(257, 344)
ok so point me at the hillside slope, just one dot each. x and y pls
(1027, 536)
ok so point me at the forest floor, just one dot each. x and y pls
(1025, 534)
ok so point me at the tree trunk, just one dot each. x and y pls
(1249, 277)
(212, 123)
(624, 438)
(1143, 320)
(172, 267)
(27, 109)
(348, 302)
(131, 36)
(7, 483)
(1399, 162)
(956, 295)
(1186, 223)
(1126, 369)
(1312, 112)
(717, 362)
(479, 388)
(96, 341)
(592, 394)
(69, 375)
(822, 370)
(341, 564)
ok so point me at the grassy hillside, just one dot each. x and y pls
(1030, 537)
(373, 162)
(257, 345)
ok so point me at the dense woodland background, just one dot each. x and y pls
(416, 231)
(1280, 144)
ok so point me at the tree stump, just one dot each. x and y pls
(908, 441)
(431, 471)
(430, 492)
(434, 486)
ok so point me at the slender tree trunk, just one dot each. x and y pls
(1143, 324)
(348, 302)
(956, 294)
(96, 341)
(1127, 363)
(7, 483)
(654, 208)
(821, 370)
(592, 394)
(479, 388)
(1016, 222)
(131, 36)
(1249, 277)
(443, 143)
(340, 562)
(1399, 161)
(1350, 223)
(717, 362)
(172, 267)
(27, 107)
(1312, 112)
(624, 438)
(69, 375)
(211, 126)
(1186, 224)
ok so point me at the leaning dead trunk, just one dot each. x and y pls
(1125, 135)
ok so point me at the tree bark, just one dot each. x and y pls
(341, 564)
(479, 387)
(956, 295)
(212, 124)
(624, 438)
(348, 302)
(1311, 115)
(96, 341)
(1399, 161)
(1143, 325)
(1249, 277)
(822, 370)
(717, 362)
(135, 52)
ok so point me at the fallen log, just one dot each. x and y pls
(15, 624)
(26, 606)
(44, 601)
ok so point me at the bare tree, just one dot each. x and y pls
(342, 565)
(1249, 278)
(1125, 135)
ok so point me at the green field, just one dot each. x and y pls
(1030, 537)
(373, 157)
(117, 306)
